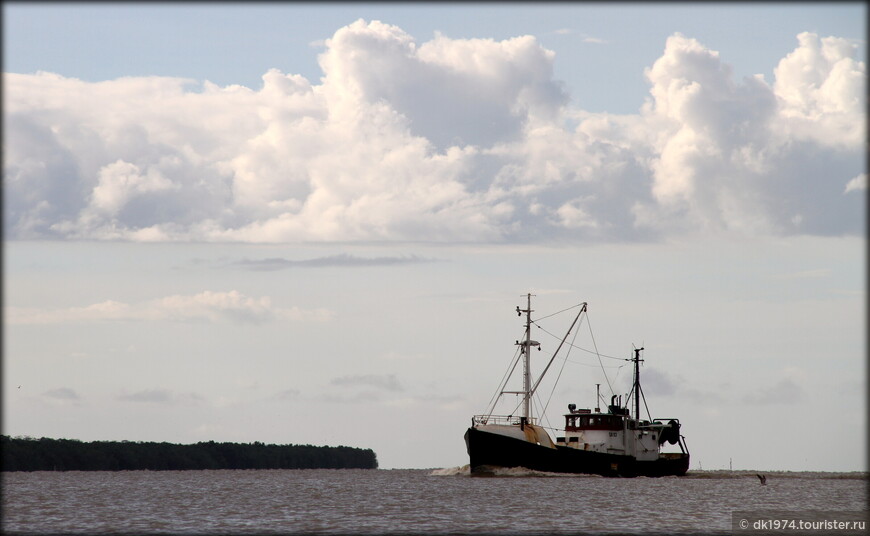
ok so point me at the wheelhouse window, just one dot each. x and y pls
(593, 422)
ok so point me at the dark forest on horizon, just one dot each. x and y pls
(45, 454)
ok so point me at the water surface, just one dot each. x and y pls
(348, 501)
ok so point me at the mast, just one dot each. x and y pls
(637, 361)
(527, 374)
(526, 347)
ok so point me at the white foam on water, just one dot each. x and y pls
(525, 472)
(465, 470)
(452, 471)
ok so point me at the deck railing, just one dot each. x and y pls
(498, 419)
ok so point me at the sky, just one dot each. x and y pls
(312, 224)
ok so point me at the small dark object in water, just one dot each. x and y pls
(763, 479)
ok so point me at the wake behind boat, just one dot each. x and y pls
(610, 443)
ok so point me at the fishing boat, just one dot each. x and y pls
(615, 442)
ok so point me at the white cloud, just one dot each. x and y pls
(446, 140)
(731, 156)
(214, 306)
(211, 306)
(857, 184)
(822, 90)
(572, 215)
(120, 181)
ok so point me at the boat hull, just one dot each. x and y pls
(488, 450)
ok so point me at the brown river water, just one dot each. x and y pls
(412, 501)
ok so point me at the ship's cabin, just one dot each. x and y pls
(584, 419)
(590, 430)
(575, 422)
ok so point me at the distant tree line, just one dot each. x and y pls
(44, 454)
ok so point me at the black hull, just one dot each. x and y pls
(488, 450)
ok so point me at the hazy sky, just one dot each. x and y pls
(295, 223)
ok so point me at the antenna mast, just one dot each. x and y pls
(637, 361)
(527, 373)
(526, 347)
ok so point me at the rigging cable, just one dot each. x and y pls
(642, 397)
(544, 412)
(558, 312)
(580, 348)
(570, 345)
(517, 407)
(593, 364)
(589, 325)
(500, 390)
(505, 379)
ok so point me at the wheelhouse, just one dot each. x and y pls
(585, 420)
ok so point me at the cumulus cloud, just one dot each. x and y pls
(738, 156)
(447, 140)
(822, 91)
(231, 306)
